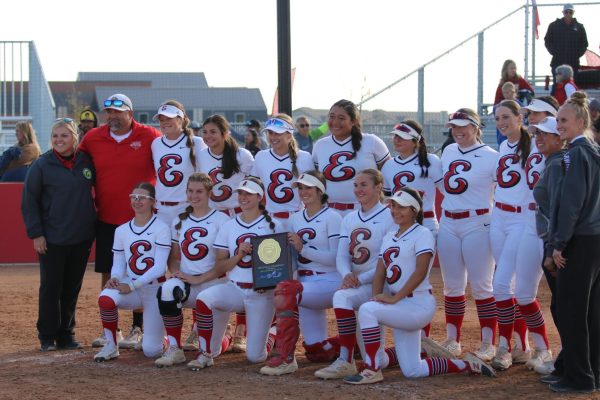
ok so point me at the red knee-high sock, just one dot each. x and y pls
(427, 329)
(109, 315)
(506, 318)
(392, 357)
(535, 320)
(173, 326)
(440, 366)
(346, 322)
(486, 311)
(521, 327)
(273, 331)
(372, 341)
(240, 320)
(204, 324)
(455, 312)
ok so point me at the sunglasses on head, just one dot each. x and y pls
(463, 115)
(402, 128)
(140, 197)
(115, 102)
(66, 119)
(278, 123)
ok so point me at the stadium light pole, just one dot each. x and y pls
(284, 56)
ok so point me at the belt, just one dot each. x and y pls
(342, 206)
(508, 207)
(168, 203)
(308, 272)
(244, 285)
(428, 214)
(465, 214)
(281, 215)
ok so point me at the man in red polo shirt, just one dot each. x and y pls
(121, 153)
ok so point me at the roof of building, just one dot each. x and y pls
(157, 79)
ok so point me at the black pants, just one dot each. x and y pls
(61, 274)
(105, 236)
(578, 311)
(558, 364)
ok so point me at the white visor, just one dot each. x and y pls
(405, 199)
(168, 111)
(250, 187)
(539, 106)
(278, 125)
(309, 180)
(547, 125)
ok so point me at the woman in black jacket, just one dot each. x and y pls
(59, 216)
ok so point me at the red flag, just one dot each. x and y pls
(537, 18)
(275, 109)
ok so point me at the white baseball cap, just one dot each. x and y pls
(278, 125)
(169, 111)
(538, 105)
(406, 132)
(250, 187)
(547, 125)
(309, 180)
(118, 102)
(405, 199)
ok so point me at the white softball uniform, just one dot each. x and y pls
(224, 197)
(398, 173)
(140, 257)
(316, 269)
(338, 163)
(173, 167)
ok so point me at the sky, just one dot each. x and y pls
(340, 48)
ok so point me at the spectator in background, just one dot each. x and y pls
(302, 134)
(565, 86)
(594, 110)
(15, 161)
(59, 214)
(523, 90)
(87, 120)
(196, 128)
(509, 92)
(566, 42)
(252, 142)
(252, 124)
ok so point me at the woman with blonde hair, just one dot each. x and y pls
(15, 161)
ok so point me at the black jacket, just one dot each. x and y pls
(566, 43)
(579, 207)
(57, 202)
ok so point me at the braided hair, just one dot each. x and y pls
(421, 147)
(230, 164)
(524, 145)
(187, 131)
(195, 177)
(356, 133)
(261, 206)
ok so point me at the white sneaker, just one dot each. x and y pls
(503, 359)
(478, 366)
(203, 360)
(539, 358)
(191, 343)
(281, 369)
(173, 355)
(365, 377)
(239, 344)
(521, 356)
(434, 349)
(453, 347)
(100, 341)
(486, 352)
(338, 370)
(134, 338)
(108, 352)
(545, 369)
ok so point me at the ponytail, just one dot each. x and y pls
(524, 146)
(230, 164)
(264, 212)
(421, 147)
(293, 152)
(183, 216)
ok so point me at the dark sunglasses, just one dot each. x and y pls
(304, 125)
(116, 103)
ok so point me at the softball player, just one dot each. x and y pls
(175, 156)
(279, 166)
(463, 240)
(225, 162)
(415, 168)
(141, 249)
(360, 238)
(402, 298)
(341, 156)
(315, 236)
(193, 235)
(233, 256)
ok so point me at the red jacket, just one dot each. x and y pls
(119, 167)
(521, 83)
(560, 93)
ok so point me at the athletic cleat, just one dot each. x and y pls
(434, 349)
(203, 360)
(338, 370)
(503, 359)
(100, 341)
(68, 344)
(486, 352)
(281, 369)
(108, 352)
(47, 345)
(539, 358)
(173, 355)
(545, 369)
(477, 366)
(550, 378)
(134, 338)
(453, 347)
(239, 344)
(191, 343)
(521, 356)
(365, 377)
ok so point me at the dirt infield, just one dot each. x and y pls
(26, 373)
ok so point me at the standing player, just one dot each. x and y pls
(193, 235)
(175, 156)
(234, 256)
(279, 166)
(415, 168)
(341, 156)
(402, 298)
(315, 236)
(360, 237)
(141, 250)
(463, 241)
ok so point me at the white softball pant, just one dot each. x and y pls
(317, 297)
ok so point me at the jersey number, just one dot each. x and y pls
(192, 236)
(532, 175)
(138, 264)
(277, 191)
(456, 185)
(305, 234)
(331, 171)
(219, 193)
(166, 177)
(359, 254)
(513, 177)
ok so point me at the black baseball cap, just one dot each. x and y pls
(253, 123)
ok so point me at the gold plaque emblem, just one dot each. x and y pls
(269, 251)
